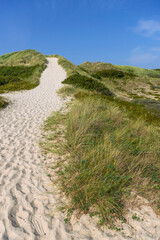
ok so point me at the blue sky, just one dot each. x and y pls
(124, 32)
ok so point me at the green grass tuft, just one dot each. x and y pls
(110, 73)
(3, 102)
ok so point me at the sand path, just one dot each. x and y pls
(23, 202)
(25, 206)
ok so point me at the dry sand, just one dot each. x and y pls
(25, 205)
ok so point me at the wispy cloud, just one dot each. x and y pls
(142, 57)
(155, 49)
(148, 28)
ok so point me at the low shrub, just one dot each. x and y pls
(96, 76)
(87, 83)
(153, 75)
(114, 73)
(157, 69)
(19, 77)
(10, 74)
(110, 73)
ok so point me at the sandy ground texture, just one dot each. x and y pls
(25, 204)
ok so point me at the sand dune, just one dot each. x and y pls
(25, 205)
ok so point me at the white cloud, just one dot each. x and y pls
(155, 49)
(148, 28)
(142, 57)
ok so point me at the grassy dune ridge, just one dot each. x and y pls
(27, 57)
(133, 82)
(110, 143)
(21, 70)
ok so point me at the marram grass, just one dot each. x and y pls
(109, 154)
(21, 70)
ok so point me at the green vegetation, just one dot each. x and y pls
(3, 102)
(110, 73)
(114, 73)
(109, 144)
(138, 71)
(92, 67)
(87, 83)
(136, 109)
(21, 70)
(67, 91)
(21, 58)
(152, 106)
(107, 155)
(135, 217)
(13, 78)
(127, 83)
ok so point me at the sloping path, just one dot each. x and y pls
(24, 203)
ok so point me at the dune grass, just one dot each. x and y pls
(140, 71)
(125, 81)
(109, 145)
(21, 70)
(119, 82)
(108, 154)
(27, 57)
(88, 83)
(92, 67)
(3, 102)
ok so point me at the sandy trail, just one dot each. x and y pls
(25, 206)
(23, 202)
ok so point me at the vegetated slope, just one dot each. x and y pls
(130, 80)
(129, 83)
(27, 57)
(111, 142)
(21, 70)
(81, 78)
